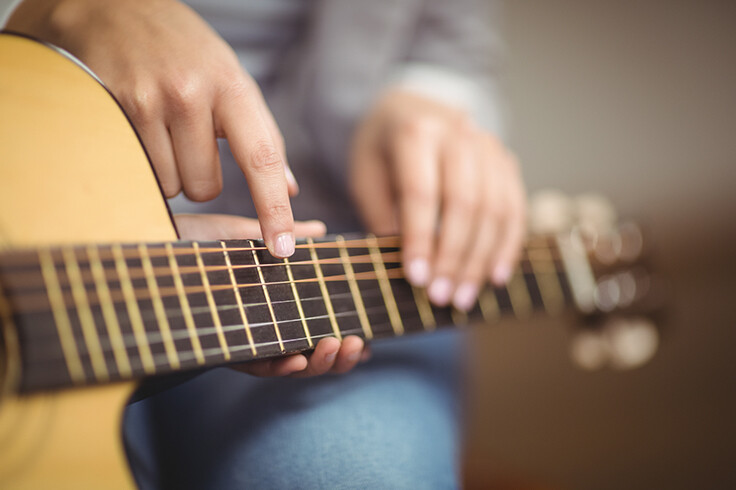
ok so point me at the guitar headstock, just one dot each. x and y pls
(611, 283)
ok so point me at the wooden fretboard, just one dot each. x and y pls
(100, 313)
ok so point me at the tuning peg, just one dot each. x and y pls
(589, 349)
(633, 342)
(550, 211)
(595, 212)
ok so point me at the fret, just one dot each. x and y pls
(335, 272)
(211, 302)
(545, 273)
(489, 305)
(239, 299)
(61, 317)
(425, 309)
(309, 293)
(323, 289)
(298, 302)
(459, 317)
(281, 289)
(86, 320)
(268, 298)
(521, 302)
(112, 324)
(385, 286)
(185, 307)
(158, 308)
(354, 290)
(134, 314)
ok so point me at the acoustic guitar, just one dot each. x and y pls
(96, 290)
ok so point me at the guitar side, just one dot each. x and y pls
(71, 170)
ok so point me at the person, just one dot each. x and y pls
(386, 113)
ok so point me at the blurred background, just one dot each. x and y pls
(635, 100)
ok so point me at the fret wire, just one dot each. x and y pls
(298, 301)
(134, 313)
(238, 299)
(185, 307)
(86, 320)
(211, 302)
(61, 317)
(385, 285)
(519, 297)
(459, 317)
(323, 288)
(158, 307)
(425, 309)
(354, 289)
(549, 284)
(489, 305)
(268, 298)
(108, 312)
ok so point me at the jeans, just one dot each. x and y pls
(392, 422)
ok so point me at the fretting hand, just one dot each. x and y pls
(454, 193)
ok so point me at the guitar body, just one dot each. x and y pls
(71, 170)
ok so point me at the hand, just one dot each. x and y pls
(329, 355)
(182, 86)
(452, 190)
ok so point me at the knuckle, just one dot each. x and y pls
(277, 211)
(202, 190)
(183, 94)
(461, 203)
(419, 126)
(265, 158)
(416, 192)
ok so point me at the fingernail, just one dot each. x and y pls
(284, 245)
(418, 272)
(354, 356)
(501, 274)
(465, 296)
(331, 357)
(440, 290)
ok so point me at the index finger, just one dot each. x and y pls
(416, 154)
(243, 124)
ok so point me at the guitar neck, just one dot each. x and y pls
(100, 313)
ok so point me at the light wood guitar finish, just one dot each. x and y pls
(62, 181)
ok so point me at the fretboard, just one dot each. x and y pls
(100, 313)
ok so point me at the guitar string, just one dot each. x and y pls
(36, 301)
(155, 338)
(29, 278)
(533, 242)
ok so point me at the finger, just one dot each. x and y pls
(196, 152)
(258, 157)
(514, 226)
(349, 354)
(322, 359)
(227, 227)
(157, 142)
(416, 161)
(274, 367)
(460, 192)
(367, 353)
(485, 243)
(278, 138)
(372, 191)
